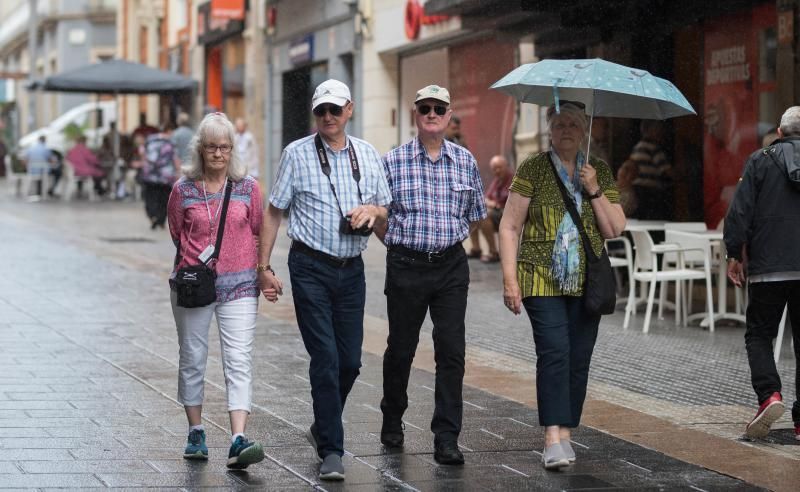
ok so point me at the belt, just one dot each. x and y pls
(427, 256)
(331, 260)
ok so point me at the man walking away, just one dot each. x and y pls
(762, 231)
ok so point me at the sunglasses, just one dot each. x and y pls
(424, 109)
(333, 109)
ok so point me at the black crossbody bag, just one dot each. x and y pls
(196, 284)
(600, 286)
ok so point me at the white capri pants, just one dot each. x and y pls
(236, 321)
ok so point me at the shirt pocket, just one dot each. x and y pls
(407, 196)
(460, 197)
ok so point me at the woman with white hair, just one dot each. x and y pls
(194, 219)
(544, 273)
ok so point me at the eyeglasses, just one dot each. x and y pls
(333, 109)
(212, 149)
(424, 109)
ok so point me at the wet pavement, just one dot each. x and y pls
(88, 374)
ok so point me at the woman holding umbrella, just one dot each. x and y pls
(544, 273)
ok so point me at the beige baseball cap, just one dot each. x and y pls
(433, 92)
(331, 91)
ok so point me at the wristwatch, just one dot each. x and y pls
(728, 259)
(596, 194)
(264, 268)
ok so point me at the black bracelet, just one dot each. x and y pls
(597, 194)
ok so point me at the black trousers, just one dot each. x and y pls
(413, 287)
(155, 198)
(764, 311)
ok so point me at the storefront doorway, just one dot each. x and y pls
(298, 87)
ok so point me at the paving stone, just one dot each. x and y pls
(35, 454)
(50, 481)
(191, 480)
(86, 466)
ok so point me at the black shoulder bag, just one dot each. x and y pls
(599, 287)
(196, 284)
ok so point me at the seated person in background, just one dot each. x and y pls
(85, 164)
(496, 196)
(56, 170)
(770, 137)
(39, 160)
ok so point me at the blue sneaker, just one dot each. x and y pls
(244, 453)
(196, 448)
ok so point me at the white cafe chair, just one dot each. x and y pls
(692, 259)
(625, 261)
(646, 272)
(781, 329)
(14, 180)
(71, 183)
(37, 172)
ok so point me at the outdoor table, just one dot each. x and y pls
(714, 237)
(645, 225)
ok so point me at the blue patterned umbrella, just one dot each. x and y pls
(607, 89)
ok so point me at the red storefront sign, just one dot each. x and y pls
(487, 116)
(730, 114)
(227, 9)
(415, 18)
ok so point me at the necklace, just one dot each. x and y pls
(212, 221)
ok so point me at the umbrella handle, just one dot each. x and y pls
(555, 96)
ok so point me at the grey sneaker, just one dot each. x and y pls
(331, 468)
(311, 436)
(553, 457)
(568, 451)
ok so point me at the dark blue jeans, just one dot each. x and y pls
(329, 304)
(564, 334)
(764, 311)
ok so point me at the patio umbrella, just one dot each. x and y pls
(607, 89)
(118, 77)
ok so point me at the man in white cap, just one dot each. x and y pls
(437, 196)
(336, 192)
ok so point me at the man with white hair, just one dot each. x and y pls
(762, 231)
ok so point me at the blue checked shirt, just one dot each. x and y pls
(314, 216)
(433, 203)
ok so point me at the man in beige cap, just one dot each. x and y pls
(437, 195)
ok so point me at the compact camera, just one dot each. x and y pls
(346, 228)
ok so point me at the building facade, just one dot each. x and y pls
(68, 34)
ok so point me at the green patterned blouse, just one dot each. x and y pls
(535, 180)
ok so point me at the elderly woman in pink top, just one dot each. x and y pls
(86, 164)
(194, 217)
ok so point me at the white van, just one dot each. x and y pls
(94, 119)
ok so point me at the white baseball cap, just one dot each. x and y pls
(331, 91)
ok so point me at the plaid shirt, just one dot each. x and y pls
(433, 203)
(314, 216)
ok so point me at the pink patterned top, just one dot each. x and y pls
(191, 232)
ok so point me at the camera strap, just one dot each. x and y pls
(325, 164)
